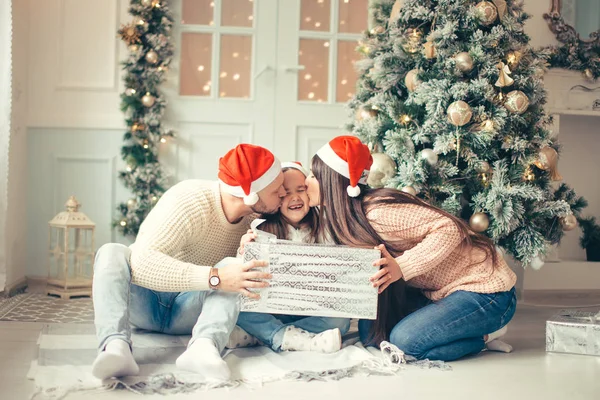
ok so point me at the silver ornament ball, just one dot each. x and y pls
(382, 170)
(430, 156)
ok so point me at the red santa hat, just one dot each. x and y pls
(246, 170)
(295, 165)
(349, 157)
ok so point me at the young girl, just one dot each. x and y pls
(469, 286)
(295, 221)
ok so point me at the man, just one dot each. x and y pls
(165, 281)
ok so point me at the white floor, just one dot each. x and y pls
(528, 373)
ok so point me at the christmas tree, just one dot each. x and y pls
(451, 99)
(150, 51)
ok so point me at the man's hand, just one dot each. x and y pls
(238, 278)
(250, 236)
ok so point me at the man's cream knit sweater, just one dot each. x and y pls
(183, 237)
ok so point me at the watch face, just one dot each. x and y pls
(214, 280)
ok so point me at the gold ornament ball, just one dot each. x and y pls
(589, 75)
(131, 203)
(129, 91)
(516, 102)
(152, 57)
(411, 80)
(483, 167)
(154, 200)
(409, 190)
(479, 222)
(429, 50)
(411, 41)
(488, 11)
(382, 170)
(464, 62)
(430, 156)
(568, 223)
(365, 113)
(146, 3)
(148, 100)
(459, 113)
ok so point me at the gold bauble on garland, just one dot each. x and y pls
(459, 113)
(378, 30)
(479, 222)
(146, 3)
(488, 12)
(148, 100)
(131, 203)
(152, 57)
(516, 102)
(464, 61)
(411, 80)
(568, 223)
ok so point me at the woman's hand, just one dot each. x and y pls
(250, 236)
(389, 271)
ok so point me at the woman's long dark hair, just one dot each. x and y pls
(278, 224)
(344, 219)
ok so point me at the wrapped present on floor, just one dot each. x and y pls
(314, 280)
(574, 331)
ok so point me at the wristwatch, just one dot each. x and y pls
(214, 280)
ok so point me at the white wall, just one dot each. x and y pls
(75, 125)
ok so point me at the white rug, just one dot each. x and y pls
(68, 350)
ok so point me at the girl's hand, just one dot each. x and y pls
(389, 271)
(250, 236)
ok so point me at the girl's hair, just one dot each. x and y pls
(278, 225)
(344, 219)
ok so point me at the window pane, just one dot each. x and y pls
(312, 81)
(354, 15)
(235, 68)
(314, 15)
(237, 13)
(197, 12)
(194, 79)
(346, 74)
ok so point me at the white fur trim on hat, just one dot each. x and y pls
(291, 164)
(262, 182)
(338, 164)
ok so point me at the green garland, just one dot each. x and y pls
(148, 37)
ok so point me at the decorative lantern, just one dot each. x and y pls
(71, 240)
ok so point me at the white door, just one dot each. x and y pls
(272, 72)
(315, 55)
(222, 87)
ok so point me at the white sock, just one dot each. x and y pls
(116, 360)
(495, 335)
(499, 345)
(203, 358)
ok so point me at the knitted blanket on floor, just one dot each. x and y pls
(66, 352)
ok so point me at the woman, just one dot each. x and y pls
(469, 287)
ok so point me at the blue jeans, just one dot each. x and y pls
(269, 329)
(453, 327)
(118, 304)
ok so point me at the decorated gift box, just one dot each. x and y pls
(574, 331)
(314, 280)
